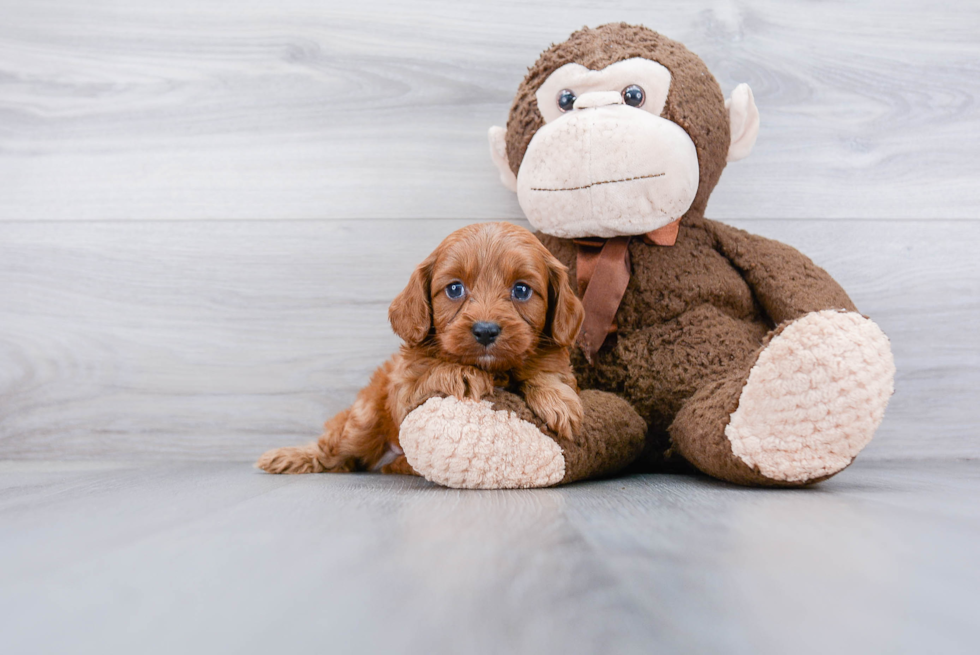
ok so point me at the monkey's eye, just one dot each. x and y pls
(634, 96)
(455, 290)
(566, 100)
(520, 292)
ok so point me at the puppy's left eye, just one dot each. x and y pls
(520, 292)
(455, 290)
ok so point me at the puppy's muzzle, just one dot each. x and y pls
(485, 332)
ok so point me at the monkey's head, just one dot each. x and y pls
(619, 131)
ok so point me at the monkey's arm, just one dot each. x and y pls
(784, 280)
(502, 443)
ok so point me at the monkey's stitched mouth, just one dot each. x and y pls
(587, 186)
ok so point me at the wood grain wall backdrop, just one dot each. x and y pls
(219, 339)
(130, 327)
(311, 109)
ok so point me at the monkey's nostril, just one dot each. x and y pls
(485, 332)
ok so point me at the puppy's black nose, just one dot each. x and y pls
(485, 332)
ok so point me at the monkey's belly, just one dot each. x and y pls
(660, 366)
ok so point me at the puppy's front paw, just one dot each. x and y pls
(464, 382)
(558, 406)
(479, 383)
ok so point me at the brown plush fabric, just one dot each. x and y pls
(695, 101)
(612, 434)
(786, 283)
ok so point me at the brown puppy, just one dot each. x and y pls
(489, 307)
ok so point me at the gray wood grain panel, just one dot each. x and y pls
(219, 339)
(309, 109)
(205, 558)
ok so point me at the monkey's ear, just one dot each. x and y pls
(565, 312)
(743, 120)
(410, 313)
(498, 153)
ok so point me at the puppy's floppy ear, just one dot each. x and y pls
(565, 312)
(410, 313)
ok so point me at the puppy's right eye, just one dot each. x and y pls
(521, 292)
(455, 290)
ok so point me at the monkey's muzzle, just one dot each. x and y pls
(607, 171)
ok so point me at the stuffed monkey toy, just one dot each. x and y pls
(702, 344)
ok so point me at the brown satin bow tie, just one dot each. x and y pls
(603, 273)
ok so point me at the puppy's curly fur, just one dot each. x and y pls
(473, 277)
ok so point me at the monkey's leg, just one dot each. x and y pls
(499, 443)
(800, 413)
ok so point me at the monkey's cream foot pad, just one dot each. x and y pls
(814, 398)
(467, 444)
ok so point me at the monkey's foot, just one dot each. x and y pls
(467, 444)
(814, 398)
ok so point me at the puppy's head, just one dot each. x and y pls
(488, 296)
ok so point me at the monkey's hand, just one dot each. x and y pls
(555, 403)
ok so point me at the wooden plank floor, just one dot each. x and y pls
(215, 557)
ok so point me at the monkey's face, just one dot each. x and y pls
(606, 163)
(604, 142)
